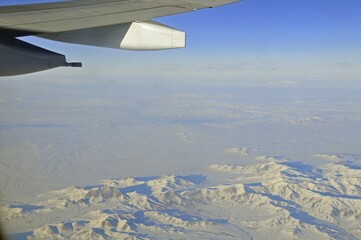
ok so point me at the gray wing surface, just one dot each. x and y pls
(81, 14)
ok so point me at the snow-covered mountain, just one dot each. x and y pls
(272, 198)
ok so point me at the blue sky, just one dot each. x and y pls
(284, 39)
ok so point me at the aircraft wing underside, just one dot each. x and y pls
(72, 15)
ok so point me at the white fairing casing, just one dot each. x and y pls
(148, 35)
(151, 36)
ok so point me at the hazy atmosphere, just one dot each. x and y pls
(251, 132)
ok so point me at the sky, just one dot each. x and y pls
(253, 39)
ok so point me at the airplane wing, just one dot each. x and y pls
(106, 23)
(73, 15)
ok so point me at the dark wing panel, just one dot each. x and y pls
(80, 14)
